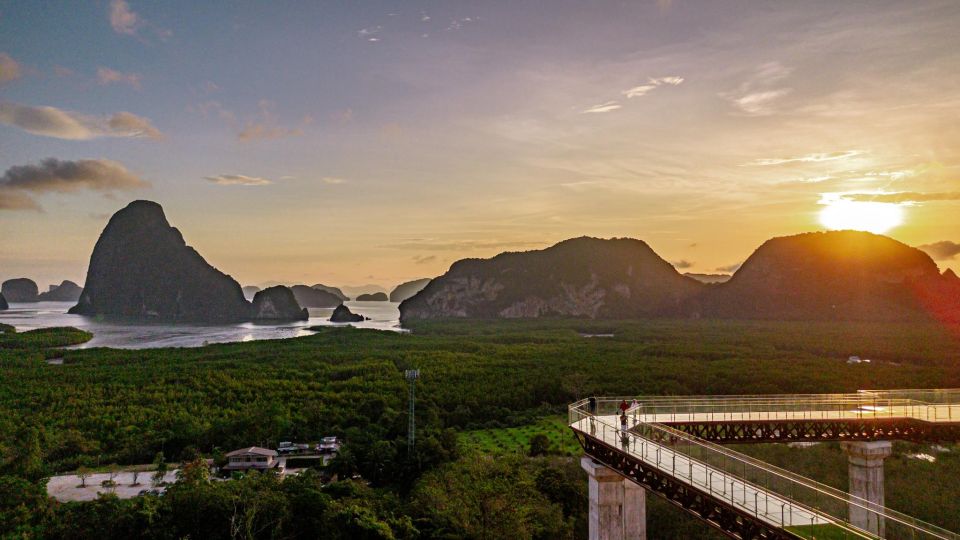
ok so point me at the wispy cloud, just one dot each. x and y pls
(901, 197)
(682, 264)
(266, 126)
(370, 33)
(602, 108)
(125, 20)
(53, 175)
(943, 250)
(756, 95)
(816, 157)
(60, 124)
(459, 23)
(9, 69)
(464, 245)
(424, 259)
(651, 84)
(237, 180)
(332, 180)
(107, 76)
(730, 268)
(15, 200)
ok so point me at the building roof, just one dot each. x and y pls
(253, 450)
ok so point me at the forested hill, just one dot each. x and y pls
(839, 275)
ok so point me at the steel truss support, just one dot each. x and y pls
(767, 431)
(723, 516)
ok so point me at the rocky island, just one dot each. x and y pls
(141, 267)
(20, 290)
(408, 289)
(837, 275)
(67, 291)
(343, 315)
(332, 290)
(373, 297)
(315, 298)
(581, 277)
(277, 302)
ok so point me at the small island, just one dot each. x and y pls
(373, 297)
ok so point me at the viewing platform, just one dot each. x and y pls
(670, 447)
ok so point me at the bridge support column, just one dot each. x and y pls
(866, 481)
(618, 507)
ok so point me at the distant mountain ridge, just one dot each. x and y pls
(837, 275)
(406, 290)
(581, 277)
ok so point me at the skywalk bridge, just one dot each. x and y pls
(670, 447)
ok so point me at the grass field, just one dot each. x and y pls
(517, 439)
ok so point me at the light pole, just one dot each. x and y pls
(412, 375)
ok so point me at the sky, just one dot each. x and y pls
(377, 142)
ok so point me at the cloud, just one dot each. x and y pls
(237, 180)
(943, 250)
(333, 180)
(602, 108)
(15, 200)
(124, 124)
(651, 84)
(369, 32)
(107, 76)
(60, 124)
(9, 69)
(756, 95)
(465, 245)
(730, 268)
(758, 103)
(902, 197)
(816, 157)
(123, 19)
(682, 264)
(53, 175)
(424, 259)
(638, 91)
(265, 125)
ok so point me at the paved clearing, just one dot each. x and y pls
(66, 488)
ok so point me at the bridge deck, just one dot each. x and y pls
(745, 497)
(765, 505)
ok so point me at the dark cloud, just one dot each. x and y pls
(65, 176)
(730, 268)
(943, 250)
(53, 175)
(682, 264)
(53, 122)
(902, 197)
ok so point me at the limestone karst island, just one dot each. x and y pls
(649, 270)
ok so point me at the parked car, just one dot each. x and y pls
(329, 445)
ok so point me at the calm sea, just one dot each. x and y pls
(144, 335)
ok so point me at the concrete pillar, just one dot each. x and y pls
(618, 507)
(866, 482)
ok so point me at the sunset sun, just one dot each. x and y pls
(875, 217)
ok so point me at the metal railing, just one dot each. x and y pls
(924, 405)
(771, 494)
